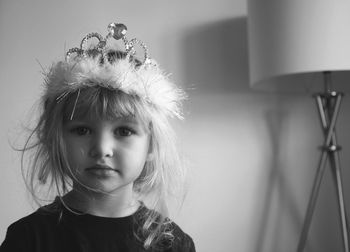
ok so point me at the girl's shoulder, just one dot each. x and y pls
(182, 241)
(45, 214)
(21, 234)
(173, 238)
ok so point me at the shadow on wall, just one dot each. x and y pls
(215, 61)
(278, 187)
(216, 57)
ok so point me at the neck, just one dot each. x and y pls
(116, 204)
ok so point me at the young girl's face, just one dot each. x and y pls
(106, 155)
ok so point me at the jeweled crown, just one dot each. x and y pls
(118, 32)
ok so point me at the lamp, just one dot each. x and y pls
(304, 46)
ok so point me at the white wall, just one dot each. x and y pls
(252, 155)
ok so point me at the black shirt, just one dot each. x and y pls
(55, 229)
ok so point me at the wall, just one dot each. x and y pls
(252, 155)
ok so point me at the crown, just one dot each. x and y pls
(91, 67)
(118, 32)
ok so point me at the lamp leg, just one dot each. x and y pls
(312, 201)
(329, 136)
(333, 149)
(334, 158)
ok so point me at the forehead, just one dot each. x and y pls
(99, 120)
(103, 104)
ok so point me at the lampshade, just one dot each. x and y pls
(291, 42)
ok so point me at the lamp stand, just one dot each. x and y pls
(328, 104)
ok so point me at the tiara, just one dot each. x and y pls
(118, 32)
(91, 67)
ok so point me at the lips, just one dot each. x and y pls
(101, 170)
(100, 167)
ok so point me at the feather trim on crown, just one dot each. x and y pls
(146, 81)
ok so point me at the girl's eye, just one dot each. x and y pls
(124, 131)
(81, 131)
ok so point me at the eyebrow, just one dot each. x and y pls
(134, 122)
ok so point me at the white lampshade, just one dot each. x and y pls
(291, 42)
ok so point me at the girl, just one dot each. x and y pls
(103, 145)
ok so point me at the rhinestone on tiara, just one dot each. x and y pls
(118, 32)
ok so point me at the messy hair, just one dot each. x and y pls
(49, 171)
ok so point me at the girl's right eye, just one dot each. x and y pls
(81, 131)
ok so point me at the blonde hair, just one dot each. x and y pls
(162, 175)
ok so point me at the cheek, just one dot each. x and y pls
(76, 153)
(143, 153)
(137, 154)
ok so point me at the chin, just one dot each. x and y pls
(104, 187)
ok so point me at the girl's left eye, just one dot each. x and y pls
(124, 131)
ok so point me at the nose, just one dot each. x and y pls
(102, 146)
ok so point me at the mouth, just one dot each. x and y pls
(101, 170)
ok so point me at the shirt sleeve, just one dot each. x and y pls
(183, 242)
(190, 244)
(16, 239)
